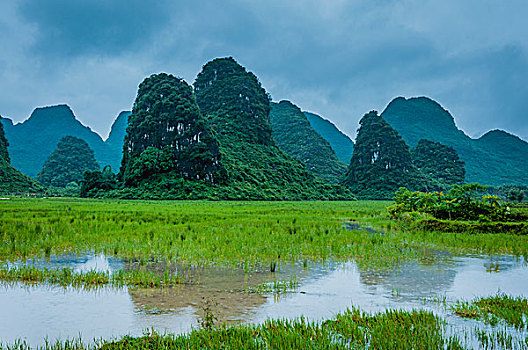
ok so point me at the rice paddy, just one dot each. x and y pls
(159, 243)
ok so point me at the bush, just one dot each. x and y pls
(462, 202)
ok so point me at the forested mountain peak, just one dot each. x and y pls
(237, 106)
(234, 101)
(167, 135)
(381, 161)
(118, 128)
(32, 141)
(418, 115)
(498, 135)
(12, 180)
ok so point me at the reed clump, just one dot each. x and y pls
(492, 310)
(86, 279)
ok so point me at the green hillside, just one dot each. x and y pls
(294, 135)
(12, 180)
(67, 163)
(236, 105)
(340, 143)
(496, 158)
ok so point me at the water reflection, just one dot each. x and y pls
(324, 290)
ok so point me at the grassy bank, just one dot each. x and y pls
(352, 329)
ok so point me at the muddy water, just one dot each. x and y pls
(35, 312)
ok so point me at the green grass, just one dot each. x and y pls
(260, 235)
(492, 310)
(89, 279)
(352, 329)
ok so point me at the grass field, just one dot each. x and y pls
(249, 235)
(231, 233)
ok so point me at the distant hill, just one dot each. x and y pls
(12, 180)
(33, 140)
(494, 159)
(342, 145)
(116, 139)
(294, 135)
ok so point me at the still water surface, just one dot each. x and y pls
(36, 312)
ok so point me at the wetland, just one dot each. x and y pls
(248, 268)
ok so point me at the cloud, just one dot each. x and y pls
(339, 58)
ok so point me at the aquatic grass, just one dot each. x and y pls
(275, 286)
(353, 329)
(512, 310)
(88, 279)
(196, 232)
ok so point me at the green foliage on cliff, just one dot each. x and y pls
(340, 143)
(234, 101)
(294, 135)
(12, 180)
(237, 107)
(67, 163)
(381, 162)
(167, 134)
(439, 161)
(496, 158)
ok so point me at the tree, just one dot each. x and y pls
(67, 163)
(93, 181)
(166, 134)
(439, 161)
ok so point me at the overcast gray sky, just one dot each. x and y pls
(337, 58)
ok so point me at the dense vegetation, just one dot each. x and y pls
(439, 161)
(237, 107)
(496, 158)
(381, 161)
(12, 180)
(167, 136)
(294, 135)
(67, 163)
(340, 143)
(465, 209)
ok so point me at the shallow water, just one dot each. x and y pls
(34, 312)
